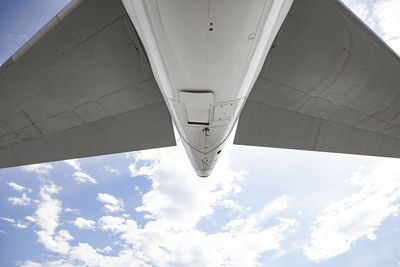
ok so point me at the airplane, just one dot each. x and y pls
(110, 76)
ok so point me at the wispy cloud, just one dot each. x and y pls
(21, 201)
(258, 219)
(177, 202)
(80, 176)
(20, 224)
(76, 211)
(7, 219)
(18, 35)
(30, 218)
(112, 204)
(48, 211)
(74, 163)
(18, 187)
(83, 223)
(46, 218)
(341, 224)
(178, 196)
(112, 170)
(107, 249)
(43, 168)
(239, 247)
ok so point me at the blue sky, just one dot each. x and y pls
(272, 207)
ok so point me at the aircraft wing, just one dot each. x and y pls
(82, 86)
(328, 84)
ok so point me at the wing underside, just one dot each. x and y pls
(328, 84)
(82, 86)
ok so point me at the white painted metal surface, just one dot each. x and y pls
(206, 56)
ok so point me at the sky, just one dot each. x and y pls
(261, 206)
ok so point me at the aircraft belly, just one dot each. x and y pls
(206, 56)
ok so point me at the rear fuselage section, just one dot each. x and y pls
(206, 56)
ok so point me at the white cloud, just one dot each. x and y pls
(82, 223)
(231, 204)
(43, 168)
(65, 235)
(48, 211)
(21, 225)
(79, 175)
(30, 218)
(112, 170)
(7, 219)
(241, 246)
(57, 263)
(179, 200)
(258, 219)
(74, 163)
(112, 204)
(179, 196)
(387, 14)
(18, 35)
(22, 201)
(176, 203)
(46, 218)
(18, 187)
(107, 249)
(82, 177)
(76, 211)
(56, 242)
(341, 224)
(361, 10)
(85, 255)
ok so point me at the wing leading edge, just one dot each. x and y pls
(82, 86)
(328, 84)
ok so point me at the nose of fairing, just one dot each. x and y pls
(203, 173)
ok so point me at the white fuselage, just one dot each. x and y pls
(206, 56)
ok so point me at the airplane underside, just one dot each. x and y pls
(205, 61)
(108, 76)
